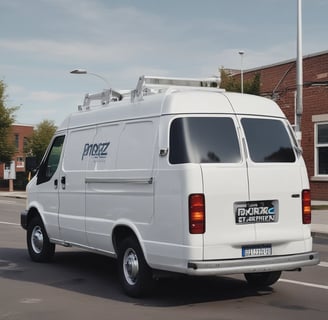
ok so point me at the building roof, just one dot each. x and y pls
(23, 125)
(316, 54)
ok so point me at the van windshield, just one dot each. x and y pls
(203, 140)
(268, 140)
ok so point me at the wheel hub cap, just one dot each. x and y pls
(130, 266)
(37, 239)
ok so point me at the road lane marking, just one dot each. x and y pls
(30, 300)
(323, 264)
(306, 284)
(10, 223)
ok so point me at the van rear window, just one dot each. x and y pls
(268, 140)
(203, 140)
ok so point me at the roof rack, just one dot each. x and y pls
(106, 96)
(150, 85)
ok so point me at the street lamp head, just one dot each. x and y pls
(79, 71)
(83, 71)
(241, 52)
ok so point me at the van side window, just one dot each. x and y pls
(49, 166)
(268, 140)
(204, 140)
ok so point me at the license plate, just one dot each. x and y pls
(256, 212)
(257, 251)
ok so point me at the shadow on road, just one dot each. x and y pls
(96, 275)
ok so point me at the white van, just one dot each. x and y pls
(179, 177)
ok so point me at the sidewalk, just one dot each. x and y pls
(319, 226)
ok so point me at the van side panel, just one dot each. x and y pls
(120, 186)
(99, 194)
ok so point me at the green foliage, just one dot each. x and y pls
(40, 139)
(7, 148)
(229, 82)
(232, 83)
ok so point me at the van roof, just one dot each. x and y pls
(175, 101)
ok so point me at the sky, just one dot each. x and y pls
(41, 41)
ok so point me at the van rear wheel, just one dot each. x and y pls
(134, 272)
(262, 279)
(39, 247)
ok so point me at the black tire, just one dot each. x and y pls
(135, 275)
(39, 247)
(262, 279)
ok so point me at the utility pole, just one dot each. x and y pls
(299, 74)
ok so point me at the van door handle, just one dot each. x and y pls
(56, 183)
(63, 182)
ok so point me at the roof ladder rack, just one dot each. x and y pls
(105, 97)
(149, 85)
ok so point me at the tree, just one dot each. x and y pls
(7, 148)
(232, 83)
(40, 139)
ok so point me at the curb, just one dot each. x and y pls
(14, 195)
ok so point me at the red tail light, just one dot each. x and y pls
(306, 206)
(196, 213)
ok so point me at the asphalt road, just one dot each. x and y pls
(82, 285)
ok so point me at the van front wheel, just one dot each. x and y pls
(38, 244)
(134, 272)
(262, 279)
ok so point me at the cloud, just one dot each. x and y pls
(95, 32)
(84, 9)
(40, 105)
(75, 51)
(48, 96)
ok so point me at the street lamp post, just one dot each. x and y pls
(241, 53)
(83, 71)
(299, 74)
(112, 94)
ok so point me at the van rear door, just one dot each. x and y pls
(253, 205)
(275, 184)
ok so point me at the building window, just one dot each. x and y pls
(16, 141)
(25, 143)
(321, 149)
(20, 163)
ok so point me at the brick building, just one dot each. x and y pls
(20, 134)
(278, 82)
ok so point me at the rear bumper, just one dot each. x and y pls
(251, 265)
